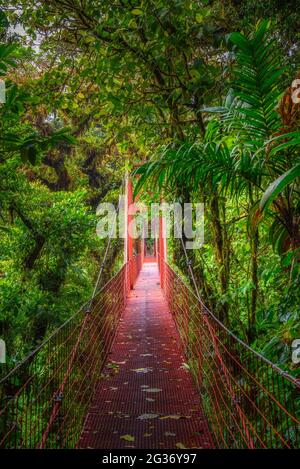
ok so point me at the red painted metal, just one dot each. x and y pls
(135, 265)
(250, 403)
(161, 251)
(150, 259)
(129, 238)
(134, 247)
(146, 397)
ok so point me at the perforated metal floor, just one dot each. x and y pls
(146, 397)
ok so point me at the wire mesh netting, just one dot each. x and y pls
(250, 403)
(44, 400)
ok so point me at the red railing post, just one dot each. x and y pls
(133, 260)
(128, 237)
(162, 251)
(142, 250)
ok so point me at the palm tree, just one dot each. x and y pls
(249, 150)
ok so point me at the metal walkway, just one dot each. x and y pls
(146, 397)
(113, 375)
(71, 392)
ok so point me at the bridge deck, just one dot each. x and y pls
(146, 397)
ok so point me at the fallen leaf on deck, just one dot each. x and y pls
(147, 434)
(142, 370)
(170, 434)
(147, 416)
(127, 437)
(112, 365)
(152, 390)
(185, 366)
(180, 446)
(104, 376)
(173, 417)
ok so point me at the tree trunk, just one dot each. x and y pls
(220, 255)
(254, 293)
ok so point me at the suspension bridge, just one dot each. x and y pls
(144, 364)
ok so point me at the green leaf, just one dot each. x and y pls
(29, 153)
(278, 186)
(4, 228)
(239, 40)
(127, 437)
(137, 11)
(294, 141)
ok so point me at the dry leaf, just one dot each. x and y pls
(112, 366)
(152, 390)
(180, 446)
(173, 417)
(147, 416)
(142, 370)
(104, 376)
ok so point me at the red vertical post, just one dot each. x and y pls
(161, 251)
(142, 250)
(157, 251)
(128, 237)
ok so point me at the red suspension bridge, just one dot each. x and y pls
(144, 364)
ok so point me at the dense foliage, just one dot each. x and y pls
(202, 89)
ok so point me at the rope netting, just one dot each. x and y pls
(250, 403)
